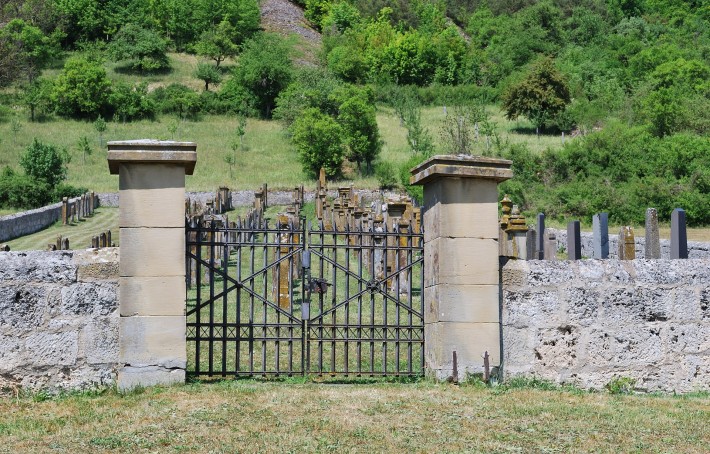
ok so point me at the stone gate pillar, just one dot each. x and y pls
(461, 291)
(152, 259)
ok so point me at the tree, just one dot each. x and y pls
(362, 137)
(142, 47)
(218, 43)
(208, 74)
(264, 70)
(33, 48)
(84, 148)
(36, 96)
(100, 127)
(540, 96)
(81, 89)
(319, 141)
(45, 162)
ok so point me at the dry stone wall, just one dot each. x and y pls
(588, 322)
(58, 319)
(31, 221)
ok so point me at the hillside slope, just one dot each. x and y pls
(286, 18)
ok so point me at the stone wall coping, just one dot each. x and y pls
(148, 151)
(461, 166)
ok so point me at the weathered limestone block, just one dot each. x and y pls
(23, 307)
(96, 264)
(89, 299)
(632, 346)
(583, 304)
(688, 338)
(529, 307)
(100, 341)
(550, 273)
(52, 349)
(37, 266)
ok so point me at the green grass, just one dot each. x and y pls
(248, 416)
(79, 233)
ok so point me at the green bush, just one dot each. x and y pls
(386, 174)
(318, 138)
(176, 99)
(82, 89)
(23, 191)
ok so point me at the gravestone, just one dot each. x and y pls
(653, 241)
(600, 239)
(679, 236)
(627, 243)
(550, 245)
(531, 245)
(540, 242)
(65, 210)
(574, 241)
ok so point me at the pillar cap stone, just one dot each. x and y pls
(147, 151)
(461, 166)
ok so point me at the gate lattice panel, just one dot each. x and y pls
(289, 301)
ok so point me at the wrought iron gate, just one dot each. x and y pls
(289, 300)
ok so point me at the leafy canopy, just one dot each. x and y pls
(540, 96)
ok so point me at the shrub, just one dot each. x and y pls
(142, 47)
(319, 141)
(45, 163)
(386, 174)
(81, 89)
(264, 70)
(177, 99)
(23, 191)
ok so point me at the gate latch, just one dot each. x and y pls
(317, 285)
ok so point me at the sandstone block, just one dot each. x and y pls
(469, 340)
(467, 261)
(153, 341)
(133, 377)
(152, 295)
(152, 252)
(461, 303)
(152, 195)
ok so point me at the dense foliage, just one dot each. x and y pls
(45, 169)
(629, 78)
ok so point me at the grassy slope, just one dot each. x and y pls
(424, 417)
(269, 156)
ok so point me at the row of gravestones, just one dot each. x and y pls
(347, 213)
(73, 210)
(519, 241)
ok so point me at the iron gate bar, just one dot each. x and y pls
(362, 292)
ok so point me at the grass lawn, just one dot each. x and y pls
(248, 416)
